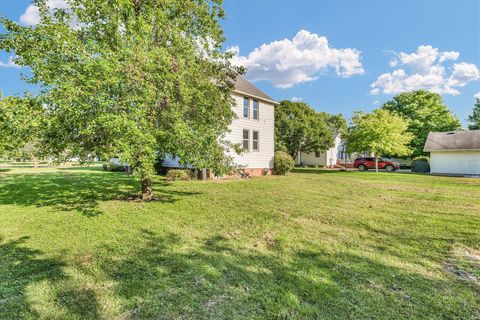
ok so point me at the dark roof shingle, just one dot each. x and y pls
(455, 140)
(242, 85)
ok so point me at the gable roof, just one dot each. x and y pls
(242, 86)
(453, 141)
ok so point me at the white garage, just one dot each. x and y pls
(456, 152)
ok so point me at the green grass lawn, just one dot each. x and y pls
(311, 245)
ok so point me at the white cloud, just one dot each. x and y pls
(425, 69)
(296, 99)
(462, 74)
(31, 16)
(286, 63)
(393, 63)
(9, 64)
(449, 55)
(477, 95)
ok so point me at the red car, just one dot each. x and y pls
(366, 163)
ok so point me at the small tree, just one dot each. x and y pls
(474, 118)
(131, 78)
(299, 128)
(425, 112)
(380, 132)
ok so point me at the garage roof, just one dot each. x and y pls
(453, 141)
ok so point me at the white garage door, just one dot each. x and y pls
(455, 162)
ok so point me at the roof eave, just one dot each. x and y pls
(449, 150)
(256, 97)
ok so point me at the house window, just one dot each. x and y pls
(246, 108)
(255, 109)
(246, 139)
(317, 154)
(255, 141)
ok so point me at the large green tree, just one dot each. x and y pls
(21, 127)
(474, 118)
(380, 133)
(131, 78)
(299, 128)
(426, 112)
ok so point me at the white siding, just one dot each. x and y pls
(328, 157)
(309, 159)
(263, 158)
(455, 162)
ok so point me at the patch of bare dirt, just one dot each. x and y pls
(464, 264)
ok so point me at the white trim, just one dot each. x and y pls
(248, 139)
(258, 141)
(248, 108)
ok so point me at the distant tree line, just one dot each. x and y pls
(474, 118)
(398, 129)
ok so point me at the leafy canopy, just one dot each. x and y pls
(299, 128)
(380, 132)
(131, 78)
(426, 112)
(474, 118)
(21, 122)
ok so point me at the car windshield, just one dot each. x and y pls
(380, 160)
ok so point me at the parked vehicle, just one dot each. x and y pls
(366, 163)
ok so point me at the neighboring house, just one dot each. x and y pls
(456, 152)
(253, 128)
(327, 158)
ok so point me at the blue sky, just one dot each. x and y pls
(341, 56)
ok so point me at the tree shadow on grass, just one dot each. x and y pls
(160, 277)
(82, 168)
(21, 268)
(163, 279)
(76, 191)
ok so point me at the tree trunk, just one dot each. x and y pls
(147, 190)
(35, 160)
(376, 163)
(295, 155)
(203, 174)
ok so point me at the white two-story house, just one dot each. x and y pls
(253, 128)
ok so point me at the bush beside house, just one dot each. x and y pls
(283, 163)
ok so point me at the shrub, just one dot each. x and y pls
(421, 159)
(114, 167)
(182, 175)
(283, 163)
(420, 165)
(243, 173)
